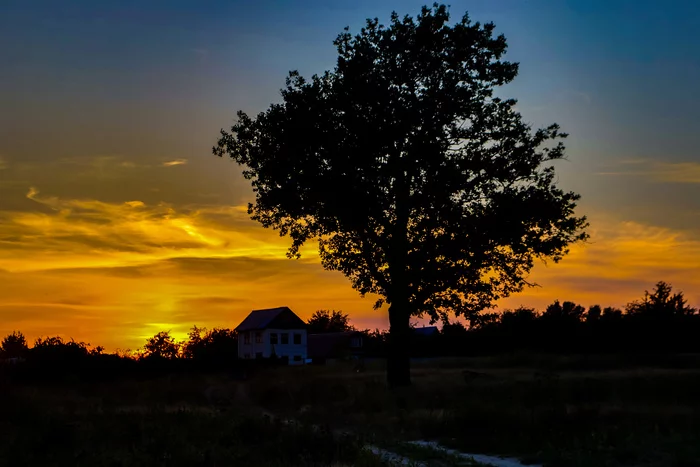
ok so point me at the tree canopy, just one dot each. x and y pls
(661, 302)
(324, 321)
(162, 345)
(13, 345)
(421, 185)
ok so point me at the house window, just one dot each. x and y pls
(297, 339)
(297, 358)
(246, 338)
(356, 342)
(258, 337)
(273, 338)
(284, 338)
(246, 356)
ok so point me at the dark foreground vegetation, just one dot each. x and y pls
(156, 422)
(542, 408)
(569, 386)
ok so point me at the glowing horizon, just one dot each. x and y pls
(117, 222)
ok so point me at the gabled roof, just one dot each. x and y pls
(426, 330)
(277, 318)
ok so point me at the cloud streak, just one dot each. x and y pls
(660, 172)
(114, 272)
(174, 162)
(98, 234)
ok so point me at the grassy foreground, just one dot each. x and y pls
(555, 411)
(156, 423)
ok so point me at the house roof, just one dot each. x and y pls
(277, 318)
(426, 330)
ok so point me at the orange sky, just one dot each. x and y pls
(115, 273)
(116, 222)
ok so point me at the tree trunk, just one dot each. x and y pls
(398, 364)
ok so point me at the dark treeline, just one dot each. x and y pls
(660, 322)
(56, 359)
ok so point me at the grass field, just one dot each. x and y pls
(555, 411)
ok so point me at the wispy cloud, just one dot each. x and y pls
(3, 163)
(662, 172)
(149, 267)
(174, 162)
(92, 233)
(619, 262)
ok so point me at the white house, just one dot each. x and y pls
(273, 331)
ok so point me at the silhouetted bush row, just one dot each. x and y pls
(661, 322)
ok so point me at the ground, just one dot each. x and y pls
(567, 411)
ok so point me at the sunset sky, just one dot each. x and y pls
(116, 221)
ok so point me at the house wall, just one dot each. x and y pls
(264, 349)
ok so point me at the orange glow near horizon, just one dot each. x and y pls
(114, 274)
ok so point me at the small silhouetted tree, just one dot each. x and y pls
(567, 311)
(13, 345)
(420, 185)
(593, 314)
(611, 315)
(453, 329)
(55, 349)
(484, 320)
(323, 321)
(214, 345)
(162, 345)
(662, 302)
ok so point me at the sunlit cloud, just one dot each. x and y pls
(3, 163)
(621, 260)
(662, 172)
(97, 234)
(175, 162)
(114, 273)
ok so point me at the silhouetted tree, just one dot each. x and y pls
(162, 345)
(593, 314)
(55, 350)
(13, 345)
(323, 321)
(421, 186)
(611, 313)
(453, 329)
(519, 317)
(569, 311)
(217, 345)
(484, 320)
(661, 303)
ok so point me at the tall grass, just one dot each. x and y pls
(557, 411)
(154, 424)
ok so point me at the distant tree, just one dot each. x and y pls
(564, 311)
(453, 329)
(13, 345)
(593, 314)
(611, 314)
(323, 321)
(519, 318)
(662, 302)
(217, 344)
(420, 185)
(162, 345)
(484, 320)
(54, 348)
